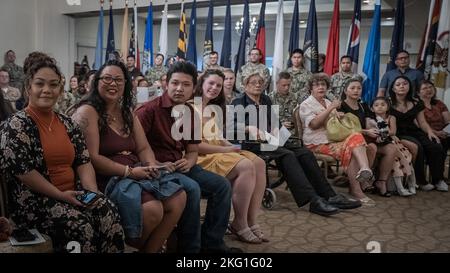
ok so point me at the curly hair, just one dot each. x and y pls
(95, 100)
(34, 62)
(319, 77)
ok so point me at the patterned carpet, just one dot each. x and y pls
(413, 224)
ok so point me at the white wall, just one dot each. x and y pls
(29, 25)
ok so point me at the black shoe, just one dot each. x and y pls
(321, 207)
(225, 249)
(341, 202)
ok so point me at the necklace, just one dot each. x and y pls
(41, 121)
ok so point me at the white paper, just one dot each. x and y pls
(447, 129)
(39, 239)
(142, 94)
(280, 139)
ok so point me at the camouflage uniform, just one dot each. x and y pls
(299, 83)
(155, 73)
(16, 75)
(65, 101)
(215, 66)
(249, 69)
(287, 104)
(338, 81)
(12, 95)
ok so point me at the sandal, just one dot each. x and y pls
(245, 235)
(256, 229)
(364, 175)
(366, 201)
(378, 191)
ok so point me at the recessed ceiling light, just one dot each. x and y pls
(302, 22)
(216, 24)
(389, 18)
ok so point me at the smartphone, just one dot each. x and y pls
(88, 197)
(23, 235)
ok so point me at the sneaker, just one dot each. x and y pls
(441, 186)
(427, 187)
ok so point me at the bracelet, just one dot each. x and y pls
(127, 171)
(130, 171)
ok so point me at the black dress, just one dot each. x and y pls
(408, 130)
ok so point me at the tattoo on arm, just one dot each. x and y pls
(82, 121)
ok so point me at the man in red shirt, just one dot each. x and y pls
(156, 118)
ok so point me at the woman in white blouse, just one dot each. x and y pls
(314, 113)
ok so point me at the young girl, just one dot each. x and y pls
(387, 127)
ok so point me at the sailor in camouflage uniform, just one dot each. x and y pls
(339, 79)
(10, 94)
(16, 75)
(154, 74)
(286, 100)
(213, 59)
(252, 67)
(299, 75)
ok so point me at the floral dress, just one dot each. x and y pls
(97, 229)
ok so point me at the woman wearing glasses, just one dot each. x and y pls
(46, 163)
(117, 144)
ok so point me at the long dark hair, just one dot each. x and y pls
(409, 95)
(220, 100)
(95, 100)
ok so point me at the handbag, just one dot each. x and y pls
(338, 129)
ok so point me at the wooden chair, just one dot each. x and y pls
(3, 198)
(325, 159)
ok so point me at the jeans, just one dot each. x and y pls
(215, 188)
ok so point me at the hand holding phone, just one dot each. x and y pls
(87, 198)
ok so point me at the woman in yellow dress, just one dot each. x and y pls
(245, 170)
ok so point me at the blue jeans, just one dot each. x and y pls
(217, 190)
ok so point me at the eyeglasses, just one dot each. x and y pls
(109, 80)
(255, 83)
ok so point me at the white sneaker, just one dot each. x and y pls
(441, 186)
(427, 187)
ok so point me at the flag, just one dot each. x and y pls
(244, 40)
(136, 36)
(111, 47)
(124, 39)
(181, 50)
(147, 61)
(295, 29)
(353, 36)
(132, 46)
(331, 65)
(208, 45)
(371, 67)
(397, 34)
(225, 57)
(191, 54)
(430, 42)
(441, 75)
(99, 45)
(311, 44)
(260, 41)
(278, 58)
(163, 32)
